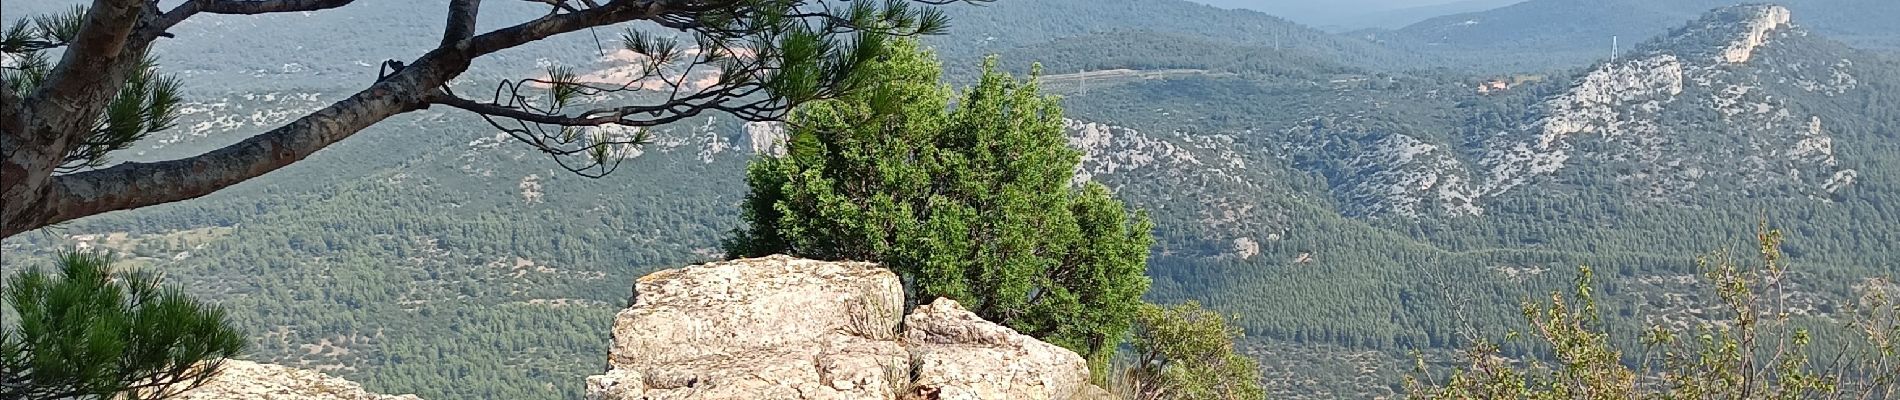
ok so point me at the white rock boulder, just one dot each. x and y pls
(785, 328)
(245, 380)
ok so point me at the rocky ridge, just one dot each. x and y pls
(1632, 110)
(1210, 174)
(1637, 122)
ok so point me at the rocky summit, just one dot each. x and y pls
(784, 328)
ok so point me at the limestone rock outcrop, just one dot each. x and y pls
(958, 356)
(785, 328)
(1756, 23)
(245, 380)
(1723, 107)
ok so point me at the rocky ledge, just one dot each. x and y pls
(785, 328)
(245, 380)
(773, 328)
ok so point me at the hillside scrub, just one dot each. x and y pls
(1185, 352)
(1751, 348)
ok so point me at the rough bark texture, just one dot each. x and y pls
(55, 122)
(37, 132)
(50, 119)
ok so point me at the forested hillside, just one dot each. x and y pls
(1345, 201)
(1547, 33)
(242, 53)
(456, 266)
(1005, 25)
(1446, 211)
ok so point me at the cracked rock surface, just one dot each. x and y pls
(785, 328)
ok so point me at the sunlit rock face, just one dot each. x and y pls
(784, 328)
(245, 380)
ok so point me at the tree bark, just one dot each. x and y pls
(51, 118)
(461, 24)
(39, 131)
(33, 197)
(81, 84)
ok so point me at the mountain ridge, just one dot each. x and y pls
(1290, 188)
(1552, 33)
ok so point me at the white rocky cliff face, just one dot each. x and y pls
(1726, 107)
(785, 328)
(1756, 29)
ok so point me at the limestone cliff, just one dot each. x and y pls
(1730, 72)
(1740, 103)
(785, 328)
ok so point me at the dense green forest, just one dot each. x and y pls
(429, 256)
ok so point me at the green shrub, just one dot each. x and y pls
(1186, 352)
(94, 333)
(972, 201)
(1750, 351)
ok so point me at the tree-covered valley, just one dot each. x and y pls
(1349, 198)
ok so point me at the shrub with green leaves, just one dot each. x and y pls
(90, 332)
(1749, 349)
(1186, 352)
(974, 201)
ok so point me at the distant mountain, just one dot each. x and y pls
(1334, 194)
(222, 53)
(1398, 18)
(1742, 103)
(1001, 26)
(1544, 33)
(1424, 197)
(1147, 50)
(1359, 14)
